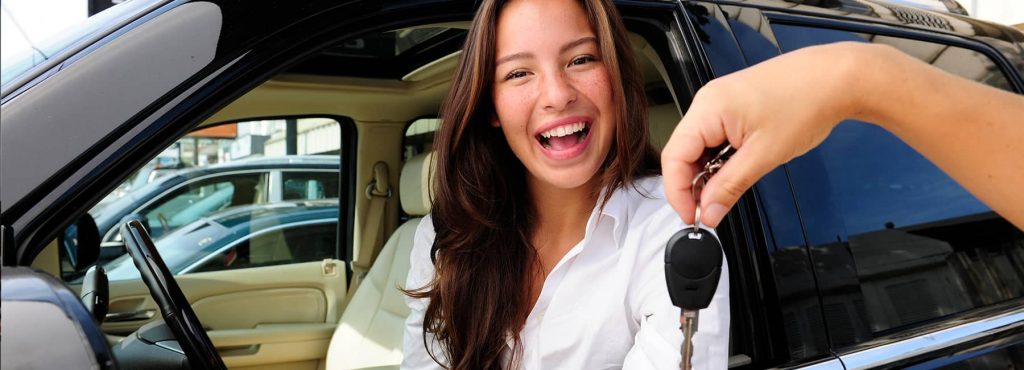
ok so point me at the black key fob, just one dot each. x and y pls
(693, 265)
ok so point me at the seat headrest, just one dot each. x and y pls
(414, 186)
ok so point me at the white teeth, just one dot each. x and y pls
(564, 130)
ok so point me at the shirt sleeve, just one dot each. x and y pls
(421, 271)
(658, 341)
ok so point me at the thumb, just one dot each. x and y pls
(740, 172)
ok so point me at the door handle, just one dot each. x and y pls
(130, 316)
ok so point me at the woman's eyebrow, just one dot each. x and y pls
(578, 42)
(564, 48)
(523, 55)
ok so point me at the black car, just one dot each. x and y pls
(859, 254)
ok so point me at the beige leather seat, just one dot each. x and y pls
(663, 120)
(369, 333)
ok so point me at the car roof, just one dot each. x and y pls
(899, 13)
(329, 162)
(288, 161)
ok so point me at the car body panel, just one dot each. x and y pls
(129, 79)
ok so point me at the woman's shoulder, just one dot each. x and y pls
(423, 240)
(641, 206)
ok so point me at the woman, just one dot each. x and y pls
(546, 242)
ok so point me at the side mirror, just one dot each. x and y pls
(80, 243)
(114, 247)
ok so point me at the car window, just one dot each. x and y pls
(419, 137)
(896, 242)
(309, 185)
(201, 198)
(293, 244)
(219, 170)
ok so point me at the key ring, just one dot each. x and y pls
(710, 168)
(696, 195)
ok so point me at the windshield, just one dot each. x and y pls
(19, 58)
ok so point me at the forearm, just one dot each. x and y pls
(926, 107)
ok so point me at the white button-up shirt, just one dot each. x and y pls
(605, 305)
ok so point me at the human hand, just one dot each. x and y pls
(771, 113)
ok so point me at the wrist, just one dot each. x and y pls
(875, 84)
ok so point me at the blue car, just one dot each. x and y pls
(244, 237)
(179, 198)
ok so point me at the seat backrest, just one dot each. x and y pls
(370, 331)
(663, 120)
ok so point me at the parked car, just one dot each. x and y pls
(182, 197)
(244, 237)
(859, 254)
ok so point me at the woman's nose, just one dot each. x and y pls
(557, 92)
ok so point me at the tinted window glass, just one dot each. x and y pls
(202, 198)
(294, 244)
(309, 185)
(911, 245)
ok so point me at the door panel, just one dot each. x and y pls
(298, 345)
(290, 305)
(274, 316)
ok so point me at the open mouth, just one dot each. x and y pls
(564, 137)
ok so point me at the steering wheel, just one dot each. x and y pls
(176, 311)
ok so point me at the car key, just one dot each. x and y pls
(693, 265)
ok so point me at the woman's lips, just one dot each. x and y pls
(565, 147)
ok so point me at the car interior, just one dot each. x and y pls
(346, 312)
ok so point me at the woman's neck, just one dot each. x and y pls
(561, 214)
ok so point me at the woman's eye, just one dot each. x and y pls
(514, 75)
(582, 60)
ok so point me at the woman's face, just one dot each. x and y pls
(552, 92)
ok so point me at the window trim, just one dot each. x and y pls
(1015, 80)
(889, 350)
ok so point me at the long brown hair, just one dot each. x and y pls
(481, 213)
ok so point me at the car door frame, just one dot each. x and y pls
(750, 238)
(894, 349)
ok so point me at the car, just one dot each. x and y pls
(245, 237)
(181, 197)
(858, 254)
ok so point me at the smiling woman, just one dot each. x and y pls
(546, 187)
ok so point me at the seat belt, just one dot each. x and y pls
(378, 191)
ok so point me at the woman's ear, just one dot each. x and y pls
(494, 121)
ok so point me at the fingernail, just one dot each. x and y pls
(714, 215)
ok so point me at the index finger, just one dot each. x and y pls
(700, 128)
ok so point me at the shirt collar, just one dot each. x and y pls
(616, 210)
